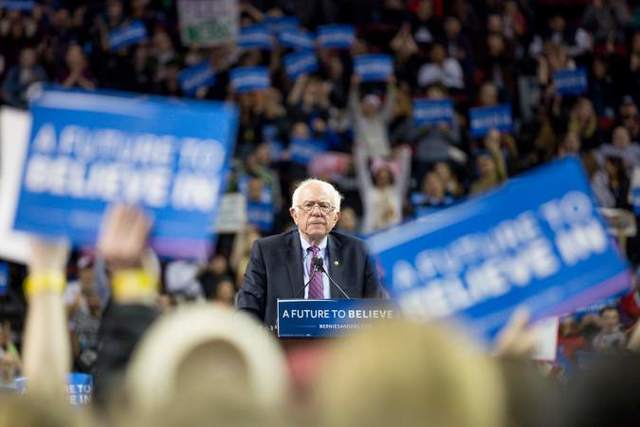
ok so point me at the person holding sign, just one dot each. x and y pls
(280, 266)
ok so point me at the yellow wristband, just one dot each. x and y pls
(133, 285)
(41, 283)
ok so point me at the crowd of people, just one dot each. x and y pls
(390, 170)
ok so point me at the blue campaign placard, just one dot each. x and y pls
(277, 24)
(538, 241)
(432, 112)
(299, 63)
(330, 317)
(79, 387)
(127, 35)
(302, 151)
(296, 38)
(635, 199)
(570, 81)
(4, 277)
(335, 36)
(255, 36)
(23, 5)
(248, 79)
(196, 76)
(261, 215)
(373, 67)
(90, 149)
(483, 119)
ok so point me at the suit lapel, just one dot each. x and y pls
(294, 264)
(336, 267)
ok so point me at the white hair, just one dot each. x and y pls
(334, 195)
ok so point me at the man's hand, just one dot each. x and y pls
(123, 237)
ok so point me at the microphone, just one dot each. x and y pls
(314, 264)
(319, 266)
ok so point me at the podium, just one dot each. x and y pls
(304, 319)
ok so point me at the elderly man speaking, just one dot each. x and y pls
(281, 265)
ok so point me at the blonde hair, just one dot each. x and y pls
(405, 373)
(334, 195)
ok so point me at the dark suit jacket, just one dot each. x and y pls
(275, 271)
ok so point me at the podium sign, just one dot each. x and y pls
(329, 317)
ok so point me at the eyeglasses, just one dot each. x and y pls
(324, 207)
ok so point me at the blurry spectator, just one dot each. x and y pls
(348, 222)
(610, 337)
(569, 339)
(502, 148)
(371, 118)
(77, 73)
(599, 180)
(617, 180)
(242, 244)
(570, 145)
(163, 54)
(449, 180)
(497, 65)
(489, 175)
(433, 195)
(577, 42)
(168, 84)
(407, 61)
(584, 123)
(441, 69)
(606, 20)
(14, 38)
(438, 379)
(213, 350)
(21, 77)
(425, 25)
(383, 196)
(215, 281)
(84, 311)
(621, 146)
(433, 143)
(488, 95)
(631, 74)
(602, 89)
(308, 99)
(10, 363)
(180, 281)
(630, 118)
(459, 47)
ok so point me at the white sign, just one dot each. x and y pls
(14, 135)
(208, 22)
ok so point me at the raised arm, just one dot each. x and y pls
(47, 351)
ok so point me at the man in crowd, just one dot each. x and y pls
(281, 266)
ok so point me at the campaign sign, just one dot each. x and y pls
(296, 38)
(89, 150)
(79, 387)
(329, 317)
(570, 82)
(255, 37)
(281, 23)
(432, 112)
(299, 63)
(373, 68)
(538, 241)
(127, 35)
(302, 151)
(248, 79)
(261, 215)
(197, 76)
(483, 119)
(4, 277)
(24, 5)
(635, 199)
(335, 36)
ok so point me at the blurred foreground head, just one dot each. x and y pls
(403, 373)
(210, 352)
(36, 411)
